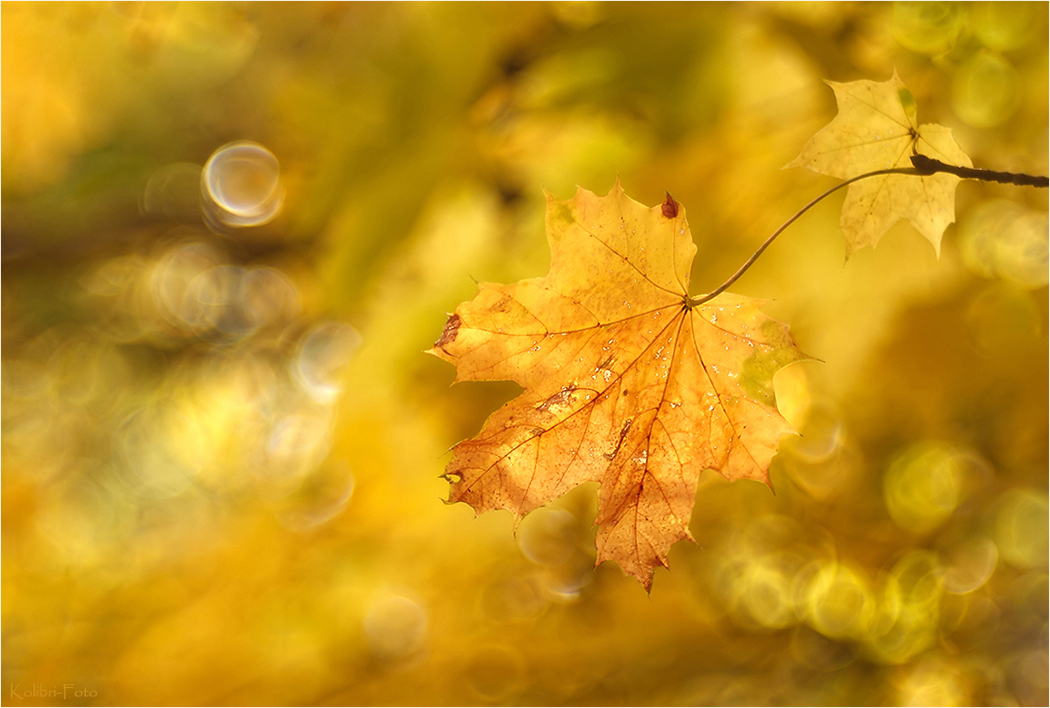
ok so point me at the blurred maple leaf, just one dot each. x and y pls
(876, 129)
(627, 381)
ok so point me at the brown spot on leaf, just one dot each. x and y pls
(623, 433)
(502, 305)
(558, 398)
(449, 334)
(669, 207)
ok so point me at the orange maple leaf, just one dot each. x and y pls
(628, 381)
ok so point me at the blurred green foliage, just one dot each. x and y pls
(221, 441)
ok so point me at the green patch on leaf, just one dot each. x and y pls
(908, 102)
(756, 374)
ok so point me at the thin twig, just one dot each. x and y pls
(928, 166)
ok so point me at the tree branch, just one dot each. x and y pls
(928, 166)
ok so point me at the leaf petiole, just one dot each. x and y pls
(924, 167)
(701, 299)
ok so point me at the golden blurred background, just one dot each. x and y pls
(230, 231)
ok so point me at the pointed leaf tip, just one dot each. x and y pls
(670, 207)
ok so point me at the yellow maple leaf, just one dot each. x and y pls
(628, 382)
(876, 129)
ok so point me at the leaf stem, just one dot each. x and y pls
(924, 167)
(700, 299)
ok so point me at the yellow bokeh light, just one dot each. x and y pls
(986, 91)
(934, 682)
(927, 27)
(838, 601)
(1021, 528)
(923, 486)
